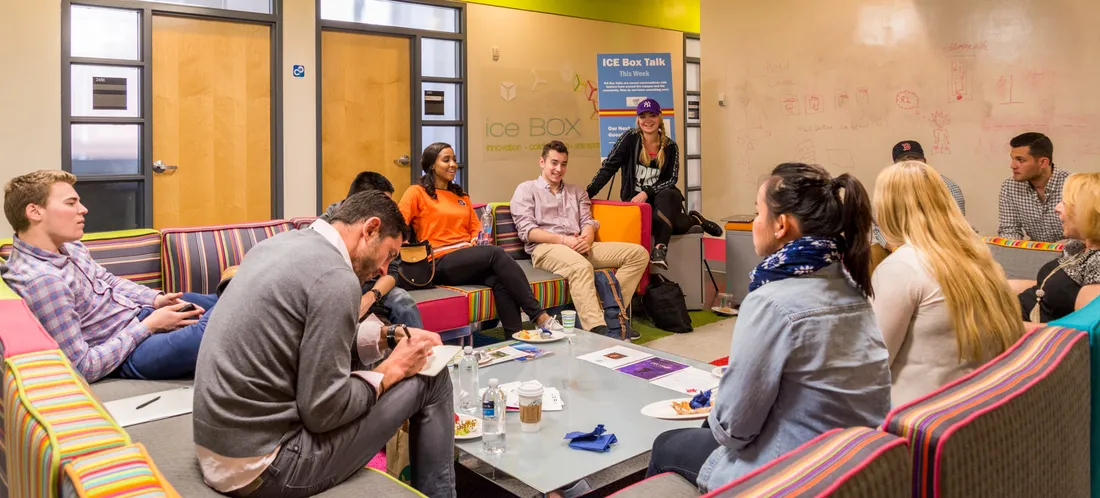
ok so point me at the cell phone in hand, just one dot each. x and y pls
(185, 309)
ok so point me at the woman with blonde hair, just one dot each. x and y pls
(942, 302)
(1073, 280)
(649, 161)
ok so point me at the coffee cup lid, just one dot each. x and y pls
(530, 389)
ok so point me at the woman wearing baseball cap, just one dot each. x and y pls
(650, 165)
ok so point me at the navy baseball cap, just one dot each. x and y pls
(649, 105)
(908, 148)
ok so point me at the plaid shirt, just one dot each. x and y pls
(1021, 215)
(91, 313)
(956, 193)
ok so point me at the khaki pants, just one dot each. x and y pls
(630, 261)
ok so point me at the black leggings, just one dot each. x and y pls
(683, 451)
(492, 267)
(668, 215)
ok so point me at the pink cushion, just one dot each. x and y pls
(20, 331)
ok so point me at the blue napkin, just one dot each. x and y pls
(596, 440)
(700, 400)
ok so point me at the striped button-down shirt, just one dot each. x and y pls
(91, 313)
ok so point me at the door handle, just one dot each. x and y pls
(160, 167)
(402, 161)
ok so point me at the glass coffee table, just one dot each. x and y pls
(538, 463)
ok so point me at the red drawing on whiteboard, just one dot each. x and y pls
(790, 104)
(805, 152)
(960, 82)
(862, 97)
(907, 100)
(813, 104)
(1006, 87)
(941, 139)
(842, 100)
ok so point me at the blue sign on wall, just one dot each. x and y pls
(299, 71)
(625, 81)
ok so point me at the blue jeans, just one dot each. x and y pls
(169, 355)
(402, 308)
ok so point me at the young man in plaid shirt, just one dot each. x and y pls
(1028, 199)
(103, 323)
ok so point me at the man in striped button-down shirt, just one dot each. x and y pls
(101, 322)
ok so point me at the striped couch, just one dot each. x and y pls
(1022, 259)
(1016, 427)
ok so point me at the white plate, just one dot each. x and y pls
(476, 433)
(556, 336)
(719, 371)
(663, 410)
(732, 312)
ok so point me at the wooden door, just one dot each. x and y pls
(212, 121)
(365, 110)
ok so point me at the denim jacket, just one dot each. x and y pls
(806, 357)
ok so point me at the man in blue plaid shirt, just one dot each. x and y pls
(103, 323)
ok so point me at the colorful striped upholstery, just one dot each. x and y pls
(302, 222)
(857, 462)
(125, 471)
(1088, 319)
(193, 258)
(130, 254)
(1014, 427)
(1024, 244)
(550, 289)
(505, 234)
(50, 418)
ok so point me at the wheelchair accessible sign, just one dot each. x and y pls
(625, 81)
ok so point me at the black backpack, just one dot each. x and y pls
(665, 305)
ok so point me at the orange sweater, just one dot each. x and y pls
(448, 223)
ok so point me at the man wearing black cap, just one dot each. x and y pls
(910, 150)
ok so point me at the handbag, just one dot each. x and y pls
(664, 302)
(417, 266)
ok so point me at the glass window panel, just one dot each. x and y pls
(105, 33)
(694, 48)
(258, 6)
(445, 134)
(693, 145)
(103, 149)
(695, 173)
(111, 205)
(695, 201)
(692, 77)
(450, 101)
(391, 13)
(439, 58)
(82, 76)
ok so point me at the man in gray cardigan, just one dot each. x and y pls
(279, 410)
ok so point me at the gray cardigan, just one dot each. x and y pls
(277, 352)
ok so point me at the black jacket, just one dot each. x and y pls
(624, 157)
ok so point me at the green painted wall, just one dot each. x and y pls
(676, 15)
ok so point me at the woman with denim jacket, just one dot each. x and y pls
(807, 355)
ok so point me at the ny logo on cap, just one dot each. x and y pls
(906, 146)
(647, 104)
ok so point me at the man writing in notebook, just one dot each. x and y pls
(280, 408)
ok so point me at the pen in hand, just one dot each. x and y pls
(147, 403)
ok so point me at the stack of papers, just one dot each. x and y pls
(659, 371)
(551, 398)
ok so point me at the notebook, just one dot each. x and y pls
(441, 356)
(151, 407)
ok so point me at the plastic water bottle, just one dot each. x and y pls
(487, 227)
(469, 399)
(492, 419)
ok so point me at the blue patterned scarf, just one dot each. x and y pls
(798, 257)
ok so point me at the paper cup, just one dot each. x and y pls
(569, 320)
(530, 405)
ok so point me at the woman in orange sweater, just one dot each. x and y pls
(442, 214)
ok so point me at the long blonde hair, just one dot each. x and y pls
(662, 140)
(913, 206)
(1081, 195)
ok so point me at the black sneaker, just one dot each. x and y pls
(710, 227)
(632, 335)
(657, 256)
(600, 329)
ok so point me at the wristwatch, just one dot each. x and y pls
(391, 337)
(377, 295)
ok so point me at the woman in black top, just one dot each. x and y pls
(1072, 281)
(650, 164)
